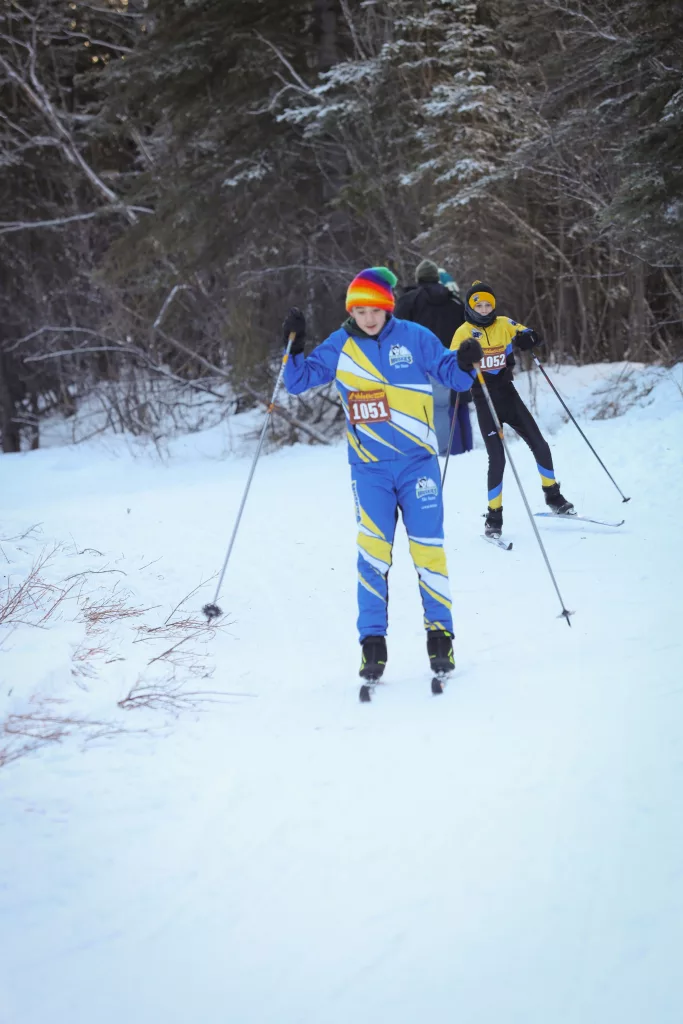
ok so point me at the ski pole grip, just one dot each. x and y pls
(290, 341)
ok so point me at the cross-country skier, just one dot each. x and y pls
(485, 331)
(381, 366)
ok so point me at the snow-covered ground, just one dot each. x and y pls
(509, 853)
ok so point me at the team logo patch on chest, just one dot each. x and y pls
(426, 488)
(399, 356)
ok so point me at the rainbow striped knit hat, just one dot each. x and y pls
(372, 287)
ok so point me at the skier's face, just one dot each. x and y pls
(369, 319)
(483, 307)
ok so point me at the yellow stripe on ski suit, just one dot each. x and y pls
(368, 523)
(376, 547)
(437, 597)
(419, 405)
(365, 429)
(372, 590)
(413, 437)
(429, 557)
(362, 453)
(353, 350)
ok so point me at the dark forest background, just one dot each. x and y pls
(174, 174)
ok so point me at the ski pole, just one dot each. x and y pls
(452, 435)
(212, 611)
(564, 405)
(499, 430)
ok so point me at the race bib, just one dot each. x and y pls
(493, 359)
(368, 406)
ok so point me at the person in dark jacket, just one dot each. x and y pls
(433, 305)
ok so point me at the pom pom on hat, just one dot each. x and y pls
(373, 287)
(480, 292)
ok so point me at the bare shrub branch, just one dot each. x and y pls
(22, 734)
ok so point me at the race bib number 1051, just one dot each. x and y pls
(368, 406)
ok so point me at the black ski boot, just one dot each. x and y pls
(493, 527)
(556, 502)
(441, 659)
(372, 664)
(374, 658)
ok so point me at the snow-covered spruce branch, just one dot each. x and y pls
(302, 85)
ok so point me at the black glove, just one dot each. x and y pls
(527, 339)
(469, 353)
(295, 322)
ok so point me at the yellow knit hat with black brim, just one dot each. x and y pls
(480, 292)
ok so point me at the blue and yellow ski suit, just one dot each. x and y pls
(393, 461)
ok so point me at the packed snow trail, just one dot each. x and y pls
(507, 852)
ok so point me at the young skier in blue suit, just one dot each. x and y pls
(381, 366)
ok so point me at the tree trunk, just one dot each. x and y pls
(11, 441)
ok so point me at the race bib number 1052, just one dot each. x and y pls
(493, 360)
(368, 406)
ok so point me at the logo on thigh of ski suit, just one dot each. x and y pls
(426, 491)
(400, 356)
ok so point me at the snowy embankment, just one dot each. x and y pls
(510, 851)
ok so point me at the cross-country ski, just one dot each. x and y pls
(504, 545)
(578, 519)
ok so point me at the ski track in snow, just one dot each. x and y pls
(508, 853)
